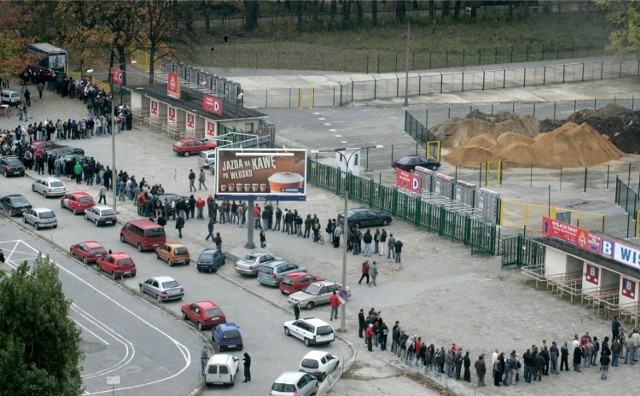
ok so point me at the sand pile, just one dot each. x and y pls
(571, 145)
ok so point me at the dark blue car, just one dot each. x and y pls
(209, 260)
(226, 336)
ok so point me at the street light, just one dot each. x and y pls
(346, 219)
(238, 99)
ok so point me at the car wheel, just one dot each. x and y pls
(46, 195)
(122, 238)
(37, 225)
(385, 222)
(97, 224)
(184, 316)
(75, 212)
(141, 289)
(186, 154)
(158, 298)
(85, 261)
(233, 380)
(157, 256)
(62, 204)
(24, 219)
(139, 247)
(322, 377)
(307, 342)
(310, 305)
(200, 326)
(286, 331)
(33, 188)
(113, 275)
(241, 347)
(55, 226)
(170, 263)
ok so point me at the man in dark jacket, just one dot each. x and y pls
(179, 226)
(361, 323)
(481, 369)
(466, 363)
(398, 249)
(367, 238)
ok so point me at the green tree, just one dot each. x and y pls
(625, 17)
(39, 343)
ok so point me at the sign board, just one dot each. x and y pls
(173, 85)
(114, 380)
(211, 128)
(261, 174)
(579, 237)
(153, 108)
(116, 75)
(171, 114)
(593, 274)
(628, 288)
(409, 181)
(212, 104)
(191, 121)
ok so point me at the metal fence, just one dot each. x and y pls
(202, 81)
(480, 236)
(627, 198)
(519, 251)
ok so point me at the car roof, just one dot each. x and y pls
(315, 321)
(315, 355)
(102, 207)
(119, 255)
(188, 139)
(42, 209)
(323, 283)
(208, 151)
(220, 358)
(50, 178)
(162, 278)
(91, 243)
(14, 196)
(296, 274)
(79, 194)
(209, 251)
(175, 244)
(228, 326)
(290, 377)
(206, 304)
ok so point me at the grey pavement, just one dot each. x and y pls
(441, 292)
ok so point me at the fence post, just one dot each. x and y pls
(394, 202)
(608, 168)
(585, 179)
(617, 194)
(371, 191)
(542, 51)
(480, 56)
(496, 58)
(544, 75)
(560, 178)
(378, 66)
(463, 61)
(446, 59)
(531, 176)
(563, 72)
(582, 71)
(483, 79)
(441, 77)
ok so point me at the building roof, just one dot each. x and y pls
(191, 101)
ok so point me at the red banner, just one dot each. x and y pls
(211, 128)
(593, 274)
(172, 114)
(173, 85)
(578, 237)
(628, 288)
(212, 104)
(154, 107)
(409, 181)
(191, 121)
(116, 75)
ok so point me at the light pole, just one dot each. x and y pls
(406, 77)
(345, 228)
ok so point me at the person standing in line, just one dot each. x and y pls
(201, 179)
(398, 250)
(240, 214)
(192, 181)
(179, 226)
(369, 334)
(218, 241)
(247, 367)
(365, 272)
(481, 369)
(383, 242)
(367, 238)
(376, 241)
(337, 232)
(391, 242)
(604, 365)
(616, 349)
(296, 310)
(204, 358)
(564, 357)
(467, 365)
(210, 227)
(615, 327)
(373, 271)
(334, 301)
(263, 239)
(361, 322)
(102, 195)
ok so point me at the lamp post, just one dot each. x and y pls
(406, 77)
(345, 229)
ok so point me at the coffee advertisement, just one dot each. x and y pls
(261, 174)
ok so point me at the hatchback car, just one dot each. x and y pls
(296, 281)
(163, 288)
(49, 187)
(409, 163)
(77, 202)
(251, 263)
(207, 158)
(294, 383)
(88, 251)
(317, 293)
(364, 217)
(310, 330)
(173, 253)
(14, 204)
(118, 264)
(11, 166)
(210, 260)
(101, 215)
(271, 274)
(40, 218)
(188, 146)
(203, 314)
(226, 336)
(319, 364)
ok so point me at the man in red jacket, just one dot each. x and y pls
(369, 333)
(200, 206)
(256, 217)
(334, 301)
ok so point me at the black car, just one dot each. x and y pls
(409, 163)
(364, 217)
(14, 204)
(11, 166)
(170, 197)
(63, 150)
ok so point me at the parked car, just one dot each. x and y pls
(144, 234)
(88, 251)
(118, 264)
(364, 217)
(169, 197)
(77, 202)
(210, 260)
(63, 150)
(12, 98)
(317, 293)
(296, 281)
(11, 166)
(272, 273)
(188, 146)
(409, 163)
(294, 383)
(43, 144)
(14, 204)
(163, 288)
(226, 336)
(173, 253)
(40, 218)
(207, 158)
(221, 369)
(101, 214)
(251, 263)
(49, 186)
(310, 330)
(319, 364)
(203, 314)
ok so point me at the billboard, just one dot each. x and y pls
(212, 104)
(191, 121)
(409, 181)
(261, 174)
(173, 85)
(211, 128)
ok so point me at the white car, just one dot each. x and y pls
(101, 214)
(294, 383)
(163, 288)
(312, 331)
(319, 363)
(49, 187)
(251, 263)
(40, 218)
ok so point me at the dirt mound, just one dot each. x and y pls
(518, 154)
(511, 137)
(484, 140)
(469, 156)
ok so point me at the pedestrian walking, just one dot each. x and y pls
(27, 98)
(201, 179)
(296, 310)
(210, 227)
(247, 367)
(102, 195)
(218, 241)
(2, 259)
(179, 226)
(365, 272)
(373, 271)
(204, 357)
(263, 239)
(334, 301)
(192, 181)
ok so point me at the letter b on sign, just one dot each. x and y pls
(606, 248)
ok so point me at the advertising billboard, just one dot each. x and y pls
(212, 104)
(173, 85)
(261, 174)
(409, 181)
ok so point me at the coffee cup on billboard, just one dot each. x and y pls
(247, 187)
(254, 187)
(232, 187)
(263, 187)
(223, 188)
(285, 180)
(238, 187)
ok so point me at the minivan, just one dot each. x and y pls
(221, 369)
(207, 158)
(272, 273)
(10, 97)
(143, 234)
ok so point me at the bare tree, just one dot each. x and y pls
(251, 13)
(374, 12)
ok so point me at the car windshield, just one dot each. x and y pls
(266, 270)
(155, 232)
(98, 251)
(180, 250)
(56, 184)
(20, 201)
(47, 215)
(250, 257)
(287, 281)
(85, 199)
(309, 363)
(210, 313)
(14, 162)
(108, 212)
(125, 261)
(280, 387)
(231, 334)
(324, 330)
(179, 144)
(312, 289)
(170, 284)
(206, 257)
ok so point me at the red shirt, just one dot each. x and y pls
(369, 332)
(418, 345)
(200, 203)
(256, 212)
(334, 301)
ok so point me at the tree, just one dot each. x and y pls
(158, 24)
(400, 10)
(39, 351)
(374, 12)
(14, 57)
(251, 14)
(625, 17)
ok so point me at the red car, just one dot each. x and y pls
(117, 264)
(297, 281)
(203, 314)
(188, 146)
(43, 145)
(88, 251)
(77, 202)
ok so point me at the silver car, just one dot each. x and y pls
(49, 187)
(101, 214)
(292, 383)
(40, 218)
(271, 274)
(316, 293)
(251, 263)
(163, 288)
(207, 158)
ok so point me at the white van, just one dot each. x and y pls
(10, 97)
(207, 158)
(221, 369)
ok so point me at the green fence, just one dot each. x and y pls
(519, 251)
(458, 227)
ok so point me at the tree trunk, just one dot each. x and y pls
(456, 10)
(374, 12)
(346, 10)
(299, 14)
(401, 10)
(359, 11)
(445, 9)
(251, 11)
(152, 55)
(432, 9)
(333, 10)
(206, 11)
